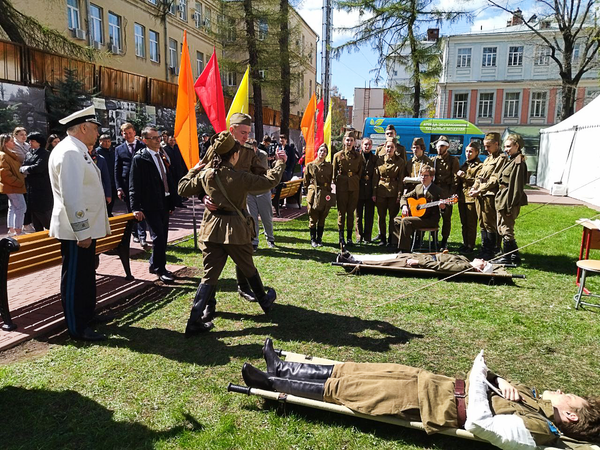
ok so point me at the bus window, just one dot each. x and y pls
(455, 141)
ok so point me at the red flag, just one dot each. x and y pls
(186, 131)
(319, 139)
(308, 129)
(210, 92)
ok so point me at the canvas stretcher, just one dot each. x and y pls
(565, 443)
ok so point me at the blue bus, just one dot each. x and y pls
(459, 132)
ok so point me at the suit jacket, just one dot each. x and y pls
(146, 188)
(123, 157)
(38, 180)
(109, 156)
(79, 205)
(434, 193)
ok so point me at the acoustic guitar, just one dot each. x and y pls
(418, 207)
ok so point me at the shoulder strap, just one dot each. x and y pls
(224, 192)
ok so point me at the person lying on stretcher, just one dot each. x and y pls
(510, 416)
(436, 261)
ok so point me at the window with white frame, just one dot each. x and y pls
(538, 104)
(488, 58)
(511, 105)
(231, 30)
(139, 33)
(183, 10)
(153, 40)
(463, 58)
(515, 56)
(590, 94)
(576, 52)
(459, 107)
(207, 18)
(198, 15)
(263, 29)
(542, 55)
(96, 24)
(262, 74)
(230, 78)
(486, 105)
(114, 30)
(172, 53)
(199, 62)
(152, 1)
(73, 14)
(173, 7)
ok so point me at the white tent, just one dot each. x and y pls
(570, 153)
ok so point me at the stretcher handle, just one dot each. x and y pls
(519, 276)
(238, 389)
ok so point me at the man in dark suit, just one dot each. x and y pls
(151, 194)
(123, 157)
(107, 151)
(405, 226)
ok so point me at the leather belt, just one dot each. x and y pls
(222, 212)
(389, 178)
(461, 405)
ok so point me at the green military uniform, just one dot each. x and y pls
(365, 210)
(416, 164)
(347, 170)
(511, 195)
(445, 177)
(466, 203)
(487, 185)
(400, 150)
(445, 262)
(405, 226)
(416, 394)
(387, 190)
(317, 181)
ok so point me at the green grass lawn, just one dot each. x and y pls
(148, 387)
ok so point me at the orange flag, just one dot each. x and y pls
(186, 127)
(308, 129)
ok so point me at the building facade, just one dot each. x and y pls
(368, 102)
(506, 79)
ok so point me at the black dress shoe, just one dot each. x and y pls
(136, 239)
(89, 335)
(165, 277)
(104, 318)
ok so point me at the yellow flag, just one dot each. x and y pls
(327, 131)
(240, 102)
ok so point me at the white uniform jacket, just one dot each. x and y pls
(79, 205)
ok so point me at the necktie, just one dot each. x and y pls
(131, 148)
(163, 175)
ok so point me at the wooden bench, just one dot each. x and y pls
(289, 189)
(30, 253)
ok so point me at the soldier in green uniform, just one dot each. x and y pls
(240, 127)
(466, 177)
(511, 196)
(347, 170)
(493, 409)
(366, 207)
(224, 232)
(484, 190)
(317, 181)
(387, 191)
(390, 132)
(418, 160)
(445, 166)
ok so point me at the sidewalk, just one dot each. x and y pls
(34, 300)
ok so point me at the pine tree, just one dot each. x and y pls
(69, 96)
(7, 122)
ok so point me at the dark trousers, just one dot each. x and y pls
(41, 219)
(364, 218)
(113, 198)
(159, 222)
(287, 176)
(139, 229)
(78, 285)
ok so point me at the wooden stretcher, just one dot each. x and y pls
(499, 272)
(565, 443)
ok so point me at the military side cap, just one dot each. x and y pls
(350, 134)
(492, 137)
(240, 119)
(419, 141)
(223, 142)
(390, 127)
(85, 115)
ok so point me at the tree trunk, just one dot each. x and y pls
(254, 70)
(569, 96)
(286, 78)
(415, 63)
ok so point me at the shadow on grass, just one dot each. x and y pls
(560, 264)
(292, 323)
(45, 419)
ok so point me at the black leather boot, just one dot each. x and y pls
(278, 368)
(255, 378)
(312, 389)
(211, 308)
(515, 258)
(320, 231)
(243, 287)
(313, 237)
(195, 325)
(265, 299)
(507, 247)
(349, 238)
(487, 246)
(342, 241)
(383, 240)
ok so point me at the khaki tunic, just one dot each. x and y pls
(317, 180)
(388, 177)
(511, 195)
(445, 177)
(487, 178)
(440, 261)
(347, 170)
(417, 163)
(466, 205)
(400, 151)
(416, 394)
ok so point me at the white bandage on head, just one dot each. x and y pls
(488, 268)
(505, 431)
(440, 143)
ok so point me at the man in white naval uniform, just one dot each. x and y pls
(79, 217)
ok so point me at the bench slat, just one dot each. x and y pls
(32, 268)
